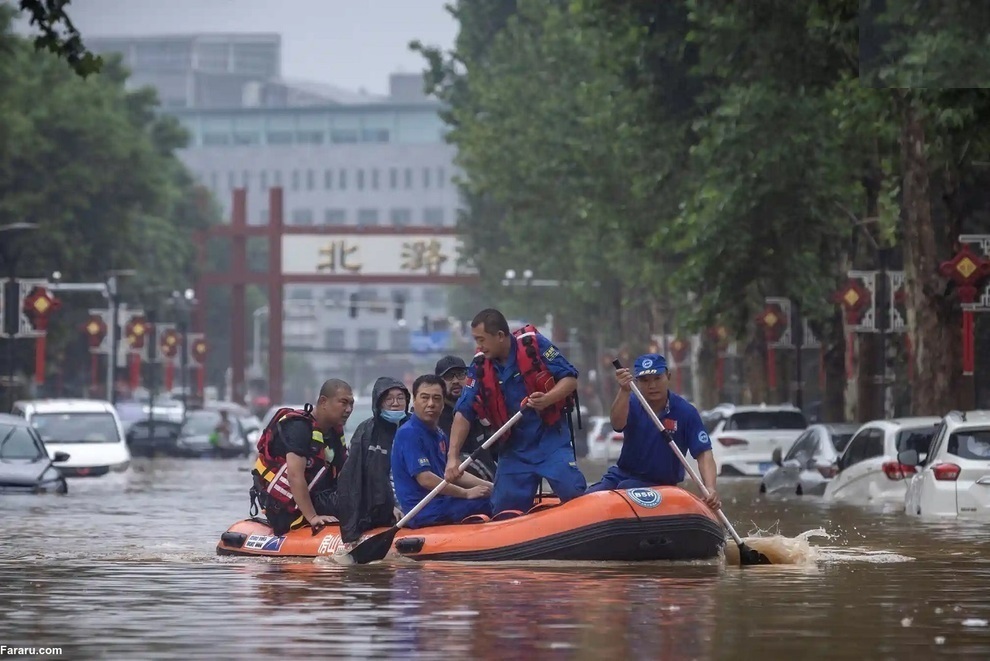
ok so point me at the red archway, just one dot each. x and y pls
(335, 236)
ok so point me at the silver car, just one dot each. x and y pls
(810, 463)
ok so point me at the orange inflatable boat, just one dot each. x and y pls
(655, 523)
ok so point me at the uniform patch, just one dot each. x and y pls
(669, 424)
(551, 353)
(703, 438)
(469, 382)
(648, 363)
(645, 496)
(423, 461)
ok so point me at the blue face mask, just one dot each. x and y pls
(395, 417)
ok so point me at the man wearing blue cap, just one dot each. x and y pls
(646, 458)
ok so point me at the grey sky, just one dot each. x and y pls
(349, 43)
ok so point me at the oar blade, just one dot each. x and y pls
(750, 556)
(372, 549)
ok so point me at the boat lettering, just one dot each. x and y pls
(645, 496)
(329, 544)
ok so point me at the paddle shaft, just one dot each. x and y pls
(680, 456)
(467, 462)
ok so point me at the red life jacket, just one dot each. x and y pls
(489, 403)
(270, 468)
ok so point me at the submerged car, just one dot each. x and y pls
(810, 463)
(25, 466)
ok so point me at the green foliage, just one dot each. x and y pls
(59, 36)
(700, 155)
(94, 166)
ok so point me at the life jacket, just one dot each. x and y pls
(489, 403)
(271, 478)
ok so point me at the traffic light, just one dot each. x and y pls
(354, 306)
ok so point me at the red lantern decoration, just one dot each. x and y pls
(774, 323)
(95, 329)
(854, 299)
(38, 307)
(967, 270)
(199, 351)
(170, 343)
(136, 332)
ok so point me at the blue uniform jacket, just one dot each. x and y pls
(530, 441)
(645, 451)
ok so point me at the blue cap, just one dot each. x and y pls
(649, 363)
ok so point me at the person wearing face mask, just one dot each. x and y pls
(366, 494)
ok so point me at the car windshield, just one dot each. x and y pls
(918, 439)
(970, 444)
(200, 423)
(95, 427)
(16, 442)
(758, 420)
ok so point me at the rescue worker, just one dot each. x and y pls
(365, 488)
(509, 368)
(300, 455)
(454, 373)
(419, 455)
(646, 458)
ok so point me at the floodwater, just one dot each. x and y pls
(125, 567)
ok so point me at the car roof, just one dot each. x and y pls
(901, 423)
(972, 419)
(772, 408)
(13, 420)
(66, 406)
(229, 407)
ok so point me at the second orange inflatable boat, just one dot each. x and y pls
(655, 523)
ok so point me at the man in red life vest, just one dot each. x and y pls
(509, 368)
(300, 455)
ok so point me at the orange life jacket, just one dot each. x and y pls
(489, 402)
(270, 469)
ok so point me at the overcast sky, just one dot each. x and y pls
(350, 43)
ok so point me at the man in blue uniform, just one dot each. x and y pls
(534, 449)
(646, 458)
(419, 455)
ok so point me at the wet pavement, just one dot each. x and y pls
(125, 567)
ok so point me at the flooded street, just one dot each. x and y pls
(125, 567)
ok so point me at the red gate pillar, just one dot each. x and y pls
(275, 291)
(238, 315)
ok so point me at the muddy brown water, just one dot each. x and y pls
(125, 567)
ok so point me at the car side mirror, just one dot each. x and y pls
(776, 457)
(61, 457)
(909, 457)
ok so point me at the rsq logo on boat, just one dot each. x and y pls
(645, 497)
(264, 543)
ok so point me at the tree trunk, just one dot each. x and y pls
(937, 353)
(755, 371)
(706, 373)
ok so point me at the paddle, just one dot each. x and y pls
(377, 546)
(747, 555)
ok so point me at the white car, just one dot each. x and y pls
(869, 471)
(89, 430)
(954, 479)
(744, 439)
(604, 443)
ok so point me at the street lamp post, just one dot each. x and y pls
(183, 303)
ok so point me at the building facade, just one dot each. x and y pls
(369, 165)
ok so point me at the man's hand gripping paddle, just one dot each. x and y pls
(747, 555)
(377, 546)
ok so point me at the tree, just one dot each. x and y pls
(59, 36)
(95, 167)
